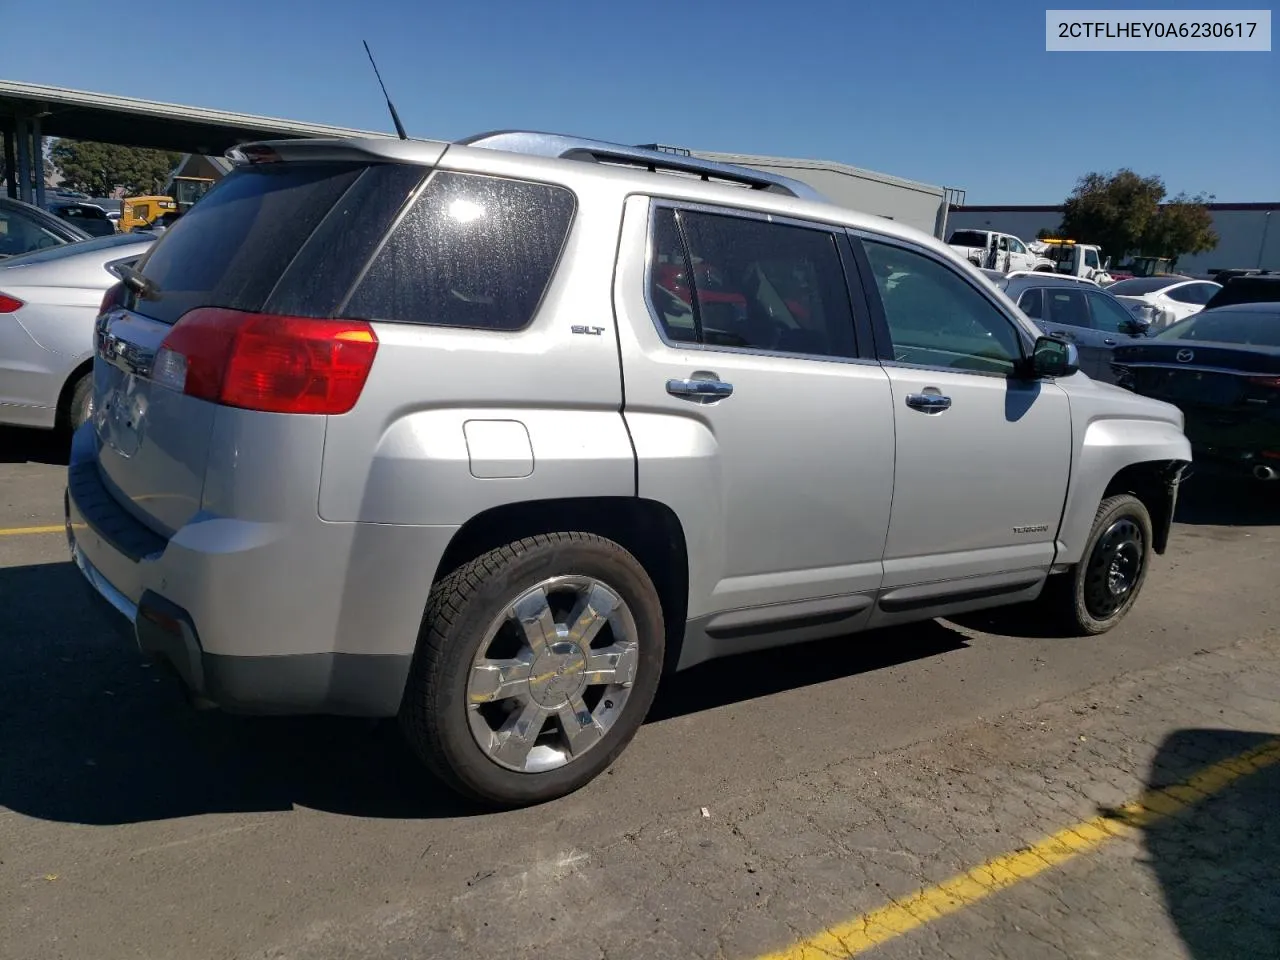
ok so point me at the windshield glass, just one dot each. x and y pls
(1138, 286)
(1250, 328)
(74, 249)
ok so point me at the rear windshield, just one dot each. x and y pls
(231, 248)
(1250, 328)
(968, 238)
(368, 241)
(1139, 286)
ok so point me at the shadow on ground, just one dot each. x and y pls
(90, 732)
(1218, 863)
(1211, 500)
(18, 445)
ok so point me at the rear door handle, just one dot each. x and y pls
(700, 390)
(928, 402)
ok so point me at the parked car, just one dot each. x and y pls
(89, 217)
(48, 302)
(1080, 312)
(1221, 367)
(1254, 288)
(24, 227)
(1169, 299)
(431, 430)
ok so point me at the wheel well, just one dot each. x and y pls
(649, 530)
(1152, 482)
(64, 396)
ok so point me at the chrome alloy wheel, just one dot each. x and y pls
(552, 675)
(1114, 568)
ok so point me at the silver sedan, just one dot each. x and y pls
(48, 302)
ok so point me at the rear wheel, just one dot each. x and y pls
(536, 665)
(1100, 591)
(80, 403)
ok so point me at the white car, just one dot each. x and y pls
(48, 301)
(1165, 300)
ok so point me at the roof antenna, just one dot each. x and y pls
(395, 117)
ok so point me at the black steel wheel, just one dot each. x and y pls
(1099, 591)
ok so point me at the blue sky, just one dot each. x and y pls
(952, 94)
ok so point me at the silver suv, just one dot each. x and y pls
(488, 435)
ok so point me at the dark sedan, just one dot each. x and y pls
(1221, 367)
(1079, 312)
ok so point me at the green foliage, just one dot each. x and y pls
(1124, 214)
(98, 168)
(1183, 225)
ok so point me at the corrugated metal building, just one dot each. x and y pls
(1248, 237)
(920, 205)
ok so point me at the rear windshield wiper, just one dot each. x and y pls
(135, 281)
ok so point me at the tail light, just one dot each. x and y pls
(1272, 382)
(114, 297)
(10, 304)
(265, 362)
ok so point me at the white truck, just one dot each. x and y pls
(997, 251)
(1073, 259)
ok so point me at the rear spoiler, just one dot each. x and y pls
(338, 149)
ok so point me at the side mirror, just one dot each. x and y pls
(1136, 326)
(1052, 357)
(1107, 264)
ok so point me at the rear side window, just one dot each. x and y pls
(231, 248)
(1067, 307)
(755, 285)
(473, 251)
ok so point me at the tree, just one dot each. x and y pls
(1183, 225)
(1123, 213)
(48, 166)
(98, 168)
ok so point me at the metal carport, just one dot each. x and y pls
(29, 112)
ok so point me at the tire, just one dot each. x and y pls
(79, 404)
(469, 618)
(1083, 601)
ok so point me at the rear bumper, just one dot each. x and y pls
(345, 684)
(257, 617)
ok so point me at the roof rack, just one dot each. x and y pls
(654, 160)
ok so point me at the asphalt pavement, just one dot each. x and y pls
(959, 790)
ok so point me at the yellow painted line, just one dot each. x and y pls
(30, 531)
(860, 934)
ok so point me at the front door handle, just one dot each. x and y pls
(928, 402)
(1109, 341)
(700, 390)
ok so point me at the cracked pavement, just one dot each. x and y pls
(839, 777)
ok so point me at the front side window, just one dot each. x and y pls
(936, 318)
(727, 281)
(1091, 258)
(1016, 245)
(1108, 315)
